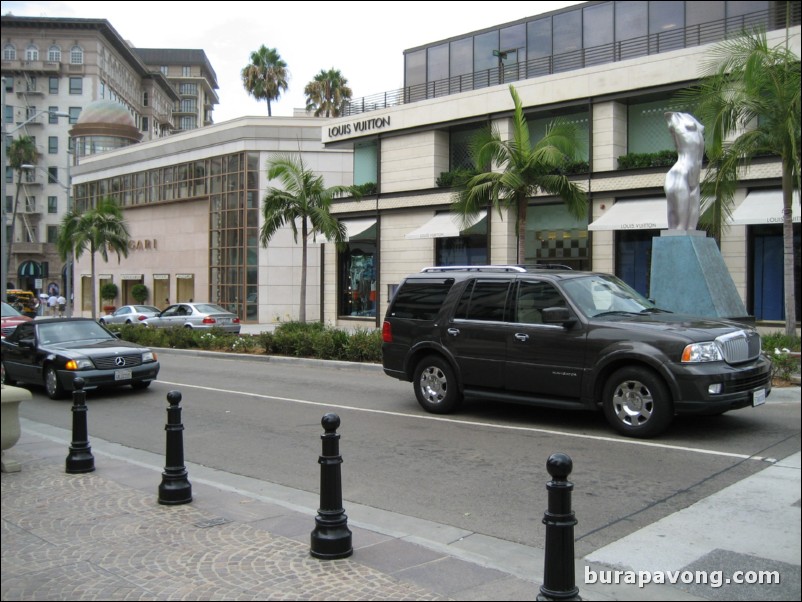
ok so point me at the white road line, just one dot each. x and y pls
(637, 442)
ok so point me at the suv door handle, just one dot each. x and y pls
(521, 336)
(453, 332)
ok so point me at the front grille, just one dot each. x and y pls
(111, 362)
(739, 346)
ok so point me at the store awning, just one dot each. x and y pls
(447, 225)
(31, 269)
(635, 214)
(355, 229)
(764, 207)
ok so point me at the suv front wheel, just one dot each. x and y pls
(436, 385)
(637, 403)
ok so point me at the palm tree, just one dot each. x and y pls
(303, 199)
(21, 151)
(98, 230)
(749, 103)
(265, 77)
(524, 171)
(327, 93)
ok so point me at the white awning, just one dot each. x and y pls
(355, 229)
(445, 225)
(764, 207)
(635, 214)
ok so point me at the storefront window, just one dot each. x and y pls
(358, 279)
(554, 236)
(633, 258)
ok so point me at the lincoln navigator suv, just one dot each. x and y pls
(566, 339)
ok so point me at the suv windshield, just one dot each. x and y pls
(600, 294)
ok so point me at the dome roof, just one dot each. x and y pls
(105, 112)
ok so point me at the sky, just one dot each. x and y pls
(365, 41)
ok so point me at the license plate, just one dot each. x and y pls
(122, 375)
(759, 397)
(224, 320)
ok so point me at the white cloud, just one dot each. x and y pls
(365, 41)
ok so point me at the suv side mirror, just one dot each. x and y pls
(558, 315)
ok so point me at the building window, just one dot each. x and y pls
(188, 89)
(54, 54)
(52, 204)
(52, 85)
(462, 250)
(32, 53)
(9, 52)
(187, 122)
(30, 112)
(188, 105)
(30, 84)
(9, 116)
(52, 175)
(554, 236)
(366, 163)
(52, 145)
(459, 147)
(31, 234)
(646, 126)
(144, 99)
(581, 123)
(76, 85)
(76, 55)
(52, 235)
(356, 271)
(145, 124)
(75, 112)
(51, 116)
(186, 71)
(164, 70)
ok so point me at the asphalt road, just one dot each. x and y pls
(482, 468)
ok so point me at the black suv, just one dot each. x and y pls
(566, 339)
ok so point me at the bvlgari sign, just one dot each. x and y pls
(358, 127)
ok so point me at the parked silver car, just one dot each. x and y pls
(195, 315)
(130, 314)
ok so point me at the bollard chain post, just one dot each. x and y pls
(175, 488)
(80, 458)
(331, 538)
(559, 578)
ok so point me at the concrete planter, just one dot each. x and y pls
(9, 423)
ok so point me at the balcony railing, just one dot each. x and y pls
(688, 37)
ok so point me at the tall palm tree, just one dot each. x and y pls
(266, 76)
(749, 103)
(98, 230)
(524, 170)
(305, 200)
(21, 151)
(327, 93)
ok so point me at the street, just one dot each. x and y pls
(481, 468)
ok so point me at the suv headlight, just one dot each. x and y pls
(701, 352)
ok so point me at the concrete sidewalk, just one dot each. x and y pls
(103, 536)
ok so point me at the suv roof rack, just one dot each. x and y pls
(475, 268)
(496, 268)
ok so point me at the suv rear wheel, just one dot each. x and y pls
(637, 403)
(436, 385)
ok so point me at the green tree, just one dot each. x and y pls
(327, 93)
(21, 151)
(523, 171)
(303, 200)
(749, 103)
(266, 76)
(98, 230)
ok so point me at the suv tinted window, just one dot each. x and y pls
(533, 297)
(420, 299)
(483, 300)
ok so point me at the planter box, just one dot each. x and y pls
(9, 423)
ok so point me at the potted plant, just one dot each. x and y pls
(108, 292)
(139, 292)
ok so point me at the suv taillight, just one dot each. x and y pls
(387, 333)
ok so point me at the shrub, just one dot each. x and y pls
(664, 158)
(364, 346)
(139, 292)
(782, 365)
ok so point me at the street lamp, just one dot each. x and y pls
(502, 55)
(68, 189)
(4, 249)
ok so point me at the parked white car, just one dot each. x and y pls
(195, 315)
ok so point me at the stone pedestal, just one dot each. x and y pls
(9, 423)
(689, 276)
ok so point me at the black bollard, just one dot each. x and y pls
(331, 538)
(559, 580)
(80, 458)
(175, 487)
